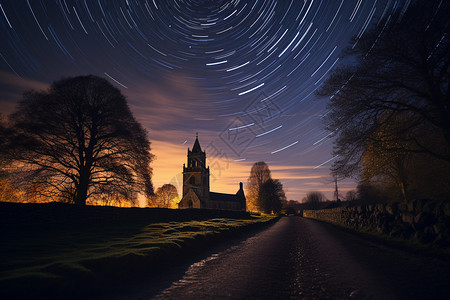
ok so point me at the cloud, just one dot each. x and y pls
(12, 87)
(166, 102)
(22, 83)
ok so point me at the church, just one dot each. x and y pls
(196, 192)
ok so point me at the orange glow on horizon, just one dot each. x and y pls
(297, 180)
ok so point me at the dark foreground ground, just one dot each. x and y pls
(294, 258)
(57, 251)
(299, 258)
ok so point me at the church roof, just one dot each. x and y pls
(223, 197)
(196, 148)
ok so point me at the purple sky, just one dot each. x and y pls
(240, 73)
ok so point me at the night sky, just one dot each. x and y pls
(243, 74)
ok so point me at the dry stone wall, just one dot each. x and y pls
(425, 221)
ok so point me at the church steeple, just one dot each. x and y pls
(196, 174)
(196, 148)
(196, 192)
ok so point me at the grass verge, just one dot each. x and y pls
(48, 256)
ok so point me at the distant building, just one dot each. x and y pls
(196, 192)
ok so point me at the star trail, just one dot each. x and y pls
(241, 73)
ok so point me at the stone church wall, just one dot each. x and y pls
(226, 205)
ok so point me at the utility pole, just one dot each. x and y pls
(336, 191)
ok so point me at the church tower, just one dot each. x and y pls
(195, 174)
(196, 192)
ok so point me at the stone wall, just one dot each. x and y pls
(425, 221)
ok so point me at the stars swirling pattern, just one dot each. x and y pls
(191, 65)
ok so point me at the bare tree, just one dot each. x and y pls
(351, 196)
(401, 75)
(378, 160)
(163, 197)
(314, 199)
(8, 193)
(79, 140)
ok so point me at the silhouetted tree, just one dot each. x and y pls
(79, 140)
(401, 76)
(379, 161)
(351, 196)
(314, 199)
(372, 192)
(264, 194)
(8, 193)
(259, 174)
(271, 196)
(403, 175)
(163, 197)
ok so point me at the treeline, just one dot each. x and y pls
(390, 107)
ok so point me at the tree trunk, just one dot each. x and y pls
(80, 197)
(82, 189)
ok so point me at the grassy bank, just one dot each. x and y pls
(53, 249)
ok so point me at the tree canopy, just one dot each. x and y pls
(264, 194)
(259, 174)
(272, 196)
(164, 197)
(313, 199)
(79, 140)
(400, 76)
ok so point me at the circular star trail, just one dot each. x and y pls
(242, 73)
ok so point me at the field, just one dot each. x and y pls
(55, 249)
